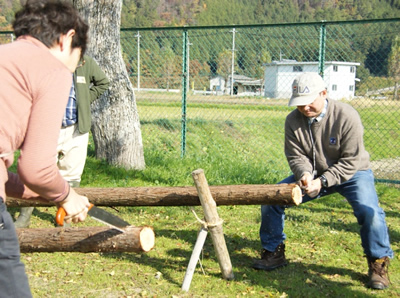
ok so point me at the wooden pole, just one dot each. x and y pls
(247, 194)
(214, 223)
(86, 239)
(201, 238)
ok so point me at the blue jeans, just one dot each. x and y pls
(13, 280)
(360, 193)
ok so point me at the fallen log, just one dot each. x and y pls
(246, 194)
(86, 239)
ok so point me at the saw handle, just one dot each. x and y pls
(61, 215)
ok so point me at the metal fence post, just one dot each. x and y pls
(233, 59)
(138, 60)
(184, 90)
(322, 40)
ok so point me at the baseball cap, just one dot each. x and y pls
(305, 89)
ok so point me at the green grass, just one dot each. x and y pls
(323, 246)
(255, 127)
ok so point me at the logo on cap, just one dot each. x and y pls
(297, 89)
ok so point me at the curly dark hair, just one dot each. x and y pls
(46, 20)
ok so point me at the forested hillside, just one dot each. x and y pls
(162, 13)
(7, 10)
(158, 13)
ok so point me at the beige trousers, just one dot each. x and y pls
(72, 151)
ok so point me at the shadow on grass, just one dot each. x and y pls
(47, 214)
(352, 227)
(296, 279)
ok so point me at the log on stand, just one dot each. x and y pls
(86, 239)
(246, 194)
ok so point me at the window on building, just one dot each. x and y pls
(352, 69)
(335, 68)
(334, 87)
(351, 87)
(297, 68)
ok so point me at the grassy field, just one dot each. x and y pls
(255, 125)
(323, 246)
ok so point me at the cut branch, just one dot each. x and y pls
(247, 194)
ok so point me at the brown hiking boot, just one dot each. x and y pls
(271, 260)
(378, 273)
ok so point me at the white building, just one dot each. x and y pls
(340, 77)
(242, 85)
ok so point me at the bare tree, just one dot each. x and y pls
(115, 122)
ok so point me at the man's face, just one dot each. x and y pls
(315, 108)
(74, 58)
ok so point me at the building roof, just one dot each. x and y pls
(241, 79)
(294, 62)
(246, 81)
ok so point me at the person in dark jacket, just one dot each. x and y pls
(325, 151)
(89, 82)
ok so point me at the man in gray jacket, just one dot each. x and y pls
(325, 151)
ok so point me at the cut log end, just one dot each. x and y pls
(147, 239)
(86, 239)
(297, 195)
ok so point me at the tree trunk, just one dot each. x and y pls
(262, 194)
(115, 119)
(87, 239)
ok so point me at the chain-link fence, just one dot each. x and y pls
(234, 82)
(239, 77)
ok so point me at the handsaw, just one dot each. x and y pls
(97, 214)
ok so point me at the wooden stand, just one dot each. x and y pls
(201, 238)
(214, 223)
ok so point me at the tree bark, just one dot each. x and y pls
(247, 194)
(87, 239)
(115, 119)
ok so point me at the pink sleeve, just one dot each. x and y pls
(37, 166)
(16, 189)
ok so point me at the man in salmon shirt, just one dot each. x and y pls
(36, 77)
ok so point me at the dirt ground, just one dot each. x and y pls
(387, 168)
